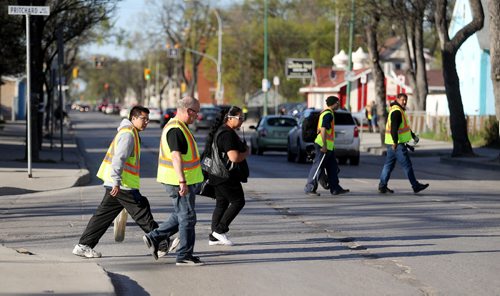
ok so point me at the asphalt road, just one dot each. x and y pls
(445, 241)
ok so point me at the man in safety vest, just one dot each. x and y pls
(179, 170)
(324, 146)
(120, 173)
(397, 134)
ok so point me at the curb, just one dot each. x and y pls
(84, 177)
(480, 162)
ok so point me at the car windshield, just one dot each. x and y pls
(281, 121)
(342, 118)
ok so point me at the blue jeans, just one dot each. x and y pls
(331, 166)
(400, 155)
(183, 219)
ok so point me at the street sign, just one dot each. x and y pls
(265, 85)
(31, 10)
(364, 78)
(173, 52)
(299, 68)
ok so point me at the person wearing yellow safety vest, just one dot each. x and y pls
(397, 134)
(179, 170)
(324, 147)
(120, 173)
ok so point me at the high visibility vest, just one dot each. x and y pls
(130, 173)
(404, 130)
(190, 161)
(330, 133)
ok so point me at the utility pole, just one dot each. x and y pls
(349, 65)
(265, 57)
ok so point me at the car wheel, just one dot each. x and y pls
(354, 160)
(289, 154)
(342, 160)
(300, 156)
(253, 149)
(260, 151)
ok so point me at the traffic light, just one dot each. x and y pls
(147, 73)
(75, 72)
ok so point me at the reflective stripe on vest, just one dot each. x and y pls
(190, 161)
(404, 130)
(130, 174)
(330, 133)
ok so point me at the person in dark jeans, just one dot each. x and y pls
(230, 198)
(397, 134)
(179, 170)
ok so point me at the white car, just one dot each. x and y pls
(346, 139)
(154, 114)
(124, 112)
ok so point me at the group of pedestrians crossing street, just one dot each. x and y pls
(180, 172)
(397, 135)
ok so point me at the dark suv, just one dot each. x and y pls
(206, 117)
(346, 139)
(167, 115)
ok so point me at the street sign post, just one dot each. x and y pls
(27, 11)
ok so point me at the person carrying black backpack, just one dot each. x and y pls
(233, 151)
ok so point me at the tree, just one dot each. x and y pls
(494, 15)
(189, 26)
(378, 75)
(12, 49)
(74, 18)
(449, 48)
(410, 16)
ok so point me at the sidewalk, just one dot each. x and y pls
(487, 158)
(49, 173)
(20, 270)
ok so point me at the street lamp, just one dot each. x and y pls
(218, 95)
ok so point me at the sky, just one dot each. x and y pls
(128, 17)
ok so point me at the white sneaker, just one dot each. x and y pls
(172, 248)
(214, 243)
(86, 251)
(222, 238)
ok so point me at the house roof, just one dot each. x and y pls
(483, 34)
(390, 46)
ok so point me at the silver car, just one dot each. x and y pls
(346, 140)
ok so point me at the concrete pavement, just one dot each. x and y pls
(66, 277)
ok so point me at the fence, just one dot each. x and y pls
(421, 122)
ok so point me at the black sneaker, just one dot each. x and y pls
(420, 187)
(385, 189)
(191, 261)
(340, 191)
(150, 244)
(313, 193)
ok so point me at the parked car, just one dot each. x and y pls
(167, 115)
(271, 133)
(360, 117)
(206, 117)
(112, 109)
(346, 140)
(124, 112)
(154, 114)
